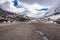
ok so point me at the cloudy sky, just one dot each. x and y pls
(31, 5)
(42, 2)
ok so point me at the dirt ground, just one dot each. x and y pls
(51, 31)
(29, 31)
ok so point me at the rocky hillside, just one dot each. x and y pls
(8, 16)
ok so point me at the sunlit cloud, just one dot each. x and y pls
(32, 7)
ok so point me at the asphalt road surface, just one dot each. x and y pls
(26, 31)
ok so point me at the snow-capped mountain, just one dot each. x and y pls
(18, 7)
(12, 6)
(53, 13)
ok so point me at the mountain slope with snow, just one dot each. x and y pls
(53, 13)
(20, 8)
(9, 6)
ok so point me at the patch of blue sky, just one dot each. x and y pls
(16, 3)
(42, 9)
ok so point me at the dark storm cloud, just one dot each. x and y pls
(42, 2)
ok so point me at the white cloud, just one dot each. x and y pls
(28, 7)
